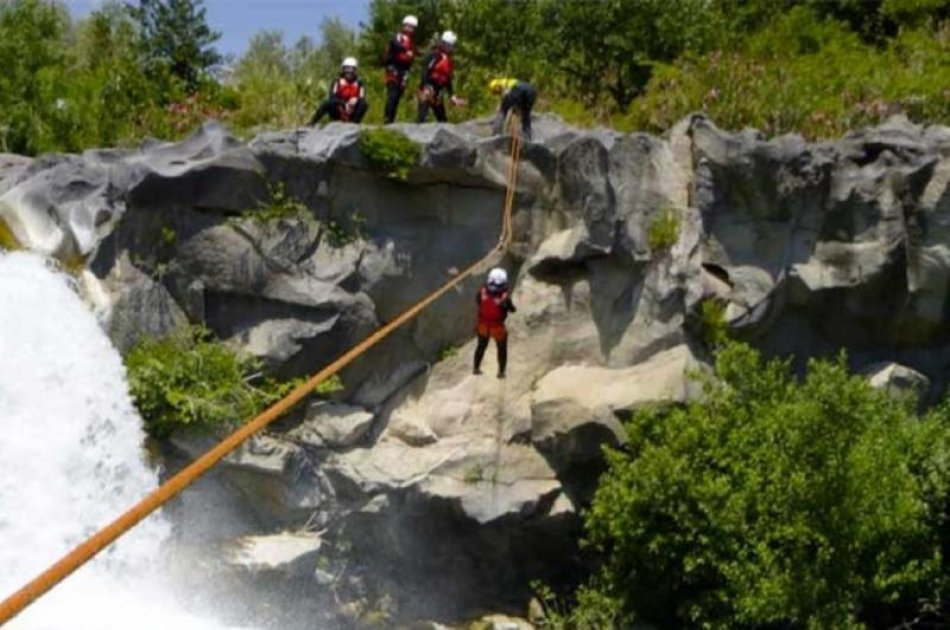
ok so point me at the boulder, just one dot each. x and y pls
(576, 409)
(330, 425)
(897, 379)
(134, 306)
(290, 554)
(280, 481)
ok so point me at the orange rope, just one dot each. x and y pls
(84, 552)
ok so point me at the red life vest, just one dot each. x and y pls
(491, 308)
(440, 72)
(403, 56)
(345, 90)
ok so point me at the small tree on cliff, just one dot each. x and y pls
(176, 38)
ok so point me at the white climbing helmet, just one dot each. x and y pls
(410, 20)
(448, 37)
(497, 277)
(349, 62)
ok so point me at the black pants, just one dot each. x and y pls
(502, 345)
(436, 104)
(520, 98)
(393, 95)
(334, 109)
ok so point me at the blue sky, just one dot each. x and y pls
(237, 20)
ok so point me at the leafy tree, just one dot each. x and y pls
(773, 502)
(175, 35)
(104, 87)
(610, 47)
(338, 41)
(32, 56)
(803, 74)
(280, 85)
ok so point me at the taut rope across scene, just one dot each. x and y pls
(56, 573)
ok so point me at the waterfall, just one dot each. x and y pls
(71, 460)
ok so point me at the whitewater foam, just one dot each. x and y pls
(71, 460)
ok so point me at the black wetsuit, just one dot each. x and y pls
(520, 96)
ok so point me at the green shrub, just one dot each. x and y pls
(279, 207)
(713, 327)
(343, 232)
(390, 151)
(772, 503)
(448, 351)
(330, 386)
(188, 379)
(664, 229)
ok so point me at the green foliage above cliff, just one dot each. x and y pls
(147, 68)
(803, 74)
(772, 503)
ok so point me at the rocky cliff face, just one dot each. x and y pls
(456, 490)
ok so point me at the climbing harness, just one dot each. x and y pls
(15, 603)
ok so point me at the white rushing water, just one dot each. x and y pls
(71, 460)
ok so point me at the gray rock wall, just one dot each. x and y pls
(465, 482)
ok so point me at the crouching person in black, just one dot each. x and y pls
(347, 102)
(515, 95)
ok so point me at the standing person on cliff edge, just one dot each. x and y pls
(437, 71)
(494, 304)
(400, 53)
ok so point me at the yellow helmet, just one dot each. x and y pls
(499, 85)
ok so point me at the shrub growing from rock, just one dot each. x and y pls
(389, 151)
(189, 379)
(774, 502)
(664, 229)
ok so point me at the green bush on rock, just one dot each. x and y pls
(664, 229)
(188, 379)
(390, 151)
(773, 502)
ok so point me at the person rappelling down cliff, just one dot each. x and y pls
(494, 304)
